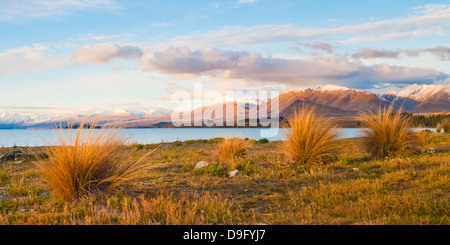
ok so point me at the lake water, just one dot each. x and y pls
(37, 137)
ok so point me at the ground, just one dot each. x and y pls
(352, 189)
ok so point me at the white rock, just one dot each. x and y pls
(201, 164)
(234, 173)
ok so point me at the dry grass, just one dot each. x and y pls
(311, 137)
(444, 125)
(387, 133)
(424, 137)
(232, 148)
(353, 189)
(89, 164)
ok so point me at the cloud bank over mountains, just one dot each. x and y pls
(229, 64)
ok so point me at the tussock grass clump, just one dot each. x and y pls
(231, 148)
(310, 137)
(444, 125)
(89, 164)
(387, 133)
(425, 137)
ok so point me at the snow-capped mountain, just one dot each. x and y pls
(332, 100)
(340, 101)
(421, 98)
(45, 120)
(10, 120)
(157, 112)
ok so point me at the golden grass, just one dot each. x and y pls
(88, 165)
(409, 189)
(231, 148)
(444, 125)
(310, 137)
(387, 133)
(424, 137)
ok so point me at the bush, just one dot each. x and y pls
(387, 133)
(263, 141)
(310, 138)
(233, 148)
(90, 164)
(211, 170)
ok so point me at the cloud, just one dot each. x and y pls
(12, 10)
(368, 53)
(247, 1)
(442, 52)
(104, 52)
(19, 61)
(326, 47)
(183, 60)
(253, 66)
(425, 21)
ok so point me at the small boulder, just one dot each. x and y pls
(234, 173)
(201, 164)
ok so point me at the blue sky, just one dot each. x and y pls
(59, 55)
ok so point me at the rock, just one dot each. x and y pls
(234, 173)
(17, 155)
(201, 164)
(437, 149)
(262, 223)
(9, 156)
(355, 169)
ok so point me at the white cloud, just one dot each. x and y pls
(426, 20)
(104, 52)
(18, 61)
(12, 10)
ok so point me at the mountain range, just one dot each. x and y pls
(331, 100)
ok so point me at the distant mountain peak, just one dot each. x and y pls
(422, 92)
(327, 87)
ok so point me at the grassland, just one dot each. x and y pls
(351, 189)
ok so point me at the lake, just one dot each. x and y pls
(37, 137)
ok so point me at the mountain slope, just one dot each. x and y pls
(330, 100)
(421, 98)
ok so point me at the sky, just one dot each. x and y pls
(74, 54)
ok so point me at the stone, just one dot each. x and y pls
(262, 223)
(355, 169)
(201, 164)
(234, 173)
